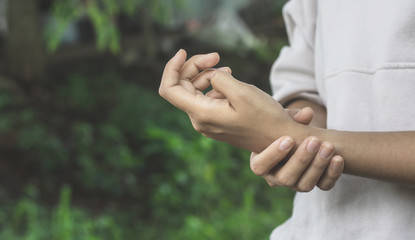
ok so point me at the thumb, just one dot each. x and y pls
(303, 116)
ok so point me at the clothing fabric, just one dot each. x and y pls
(357, 58)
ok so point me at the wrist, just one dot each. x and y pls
(301, 132)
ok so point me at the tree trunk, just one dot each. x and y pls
(24, 49)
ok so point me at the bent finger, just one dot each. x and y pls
(171, 73)
(201, 82)
(263, 162)
(332, 174)
(170, 87)
(198, 63)
(291, 172)
(304, 115)
(229, 86)
(214, 94)
(317, 168)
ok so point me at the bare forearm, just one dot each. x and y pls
(388, 156)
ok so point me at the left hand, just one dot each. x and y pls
(234, 112)
(312, 164)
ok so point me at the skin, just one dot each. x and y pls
(304, 169)
(386, 156)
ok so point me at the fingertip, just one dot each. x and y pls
(212, 55)
(225, 69)
(337, 158)
(286, 143)
(309, 109)
(312, 144)
(216, 54)
(178, 59)
(337, 164)
(182, 53)
(304, 115)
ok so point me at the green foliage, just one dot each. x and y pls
(266, 52)
(30, 220)
(103, 15)
(111, 137)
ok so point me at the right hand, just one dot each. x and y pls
(229, 118)
(312, 164)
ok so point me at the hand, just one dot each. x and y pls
(233, 111)
(312, 164)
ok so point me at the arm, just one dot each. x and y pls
(386, 156)
(222, 114)
(249, 118)
(303, 169)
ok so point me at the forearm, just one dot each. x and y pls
(388, 156)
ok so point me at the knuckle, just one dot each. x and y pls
(284, 180)
(305, 158)
(198, 128)
(201, 118)
(204, 125)
(162, 92)
(321, 164)
(219, 75)
(272, 184)
(333, 175)
(256, 169)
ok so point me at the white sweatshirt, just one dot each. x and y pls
(356, 57)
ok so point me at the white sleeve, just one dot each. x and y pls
(292, 74)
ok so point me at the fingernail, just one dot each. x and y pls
(297, 113)
(286, 144)
(327, 151)
(337, 163)
(312, 145)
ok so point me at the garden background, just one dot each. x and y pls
(88, 150)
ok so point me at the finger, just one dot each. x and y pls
(304, 115)
(332, 174)
(291, 172)
(171, 71)
(198, 63)
(170, 87)
(201, 82)
(263, 162)
(225, 69)
(214, 94)
(233, 89)
(316, 169)
(292, 111)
